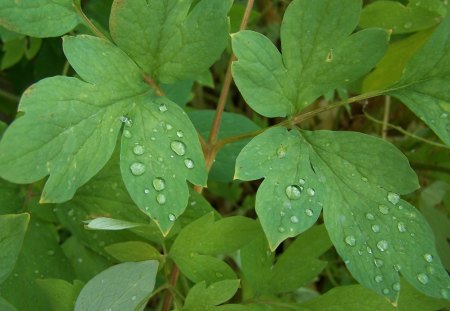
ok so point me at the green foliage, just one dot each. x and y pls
(135, 176)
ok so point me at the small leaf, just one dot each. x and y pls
(133, 251)
(203, 298)
(319, 55)
(39, 18)
(103, 223)
(422, 87)
(122, 287)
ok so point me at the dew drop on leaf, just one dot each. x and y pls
(161, 198)
(178, 147)
(301, 182)
(293, 192)
(189, 163)
(162, 108)
(428, 257)
(350, 240)
(382, 245)
(180, 134)
(383, 209)
(159, 184)
(169, 126)
(146, 191)
(385, 291)
(137, 168)
(281, 229)
(396, 287)
(127, 134)
(401, 227)
(378, 279)
(407, 25)
(444, 115)
(378, 262)
(172, 217)
(138, 149)
(370, 216)
(394, 198)
(423, 278)
(311, 192)
(309, 212)
(294, 219)
(376, 228)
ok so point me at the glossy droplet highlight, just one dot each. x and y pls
(311, 192)
(301, 182)
(281, 229)
(423, 278)
(146, 191)
(162, 108)
(382, 245)
(138, 149)
(172, 217)
(294, 219)
(383, 209)
(159, 184)
(293, 192)
(137, 168)
(378, 262)
(394, 198)
(396, 287)
(385, 291)
(428, 257)
(180, 134)
(401, 227)
(309, 212)
(189, 163)
(178, 147)
(378, 279)
(161, 198)
(376, 228)
(127, 134)
(169, 126)
(350, 240)
(370, 216)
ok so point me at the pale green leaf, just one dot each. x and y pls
(170, 41)
(38, 18)
(133, 251)
(61, 294)
(319, 54)
(203, 298)
(122, 287)
(423, 87)
(12, 233)
(104, 223)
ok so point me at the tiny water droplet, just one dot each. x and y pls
(189, 163)
(169, 126)
(376, 228)
(178, 147)
(350, 240)
(397, 267)
(301, 182)
(382, 245)
(161, 198)
(370, 216)
(127, 134)
(378, 262)
(281, 229)
(309, 212)
(385, 291)
(137, 168)
(369, 250)
(293, 192)
(396, 287)
(162, 108)
(294, 219)
(364, 179)
(401, 227)
(394, 198)
(146, 191)
(311, 192)
(219, 275)
(423, 278)
(159, 184)
(379, 279)
(428, 257)
(138, 149)
(444, 115)
(133, 298)
(180, 134)
(407, 25)
(383, 209)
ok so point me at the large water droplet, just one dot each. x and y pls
(394, 198)
(161, 198)
(159, 184)
(428, 257)
(383, 209)
(180, 134)
(137, 168)
(401, 227)
(309, 212)
(138, 149)
(162, 108)
(350, 240)
(189, 163)
(311, 192)
(178, 147)
(293, 192)
(382, 245)
(294, 219)
(370, 216)
(172, 217)
(376, 228)
(379, 279)
(423, 278)
(127, 134)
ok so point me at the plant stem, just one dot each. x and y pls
(154, 85)
(9, 96)
(387, 108)
(168, 295)
(88, 22)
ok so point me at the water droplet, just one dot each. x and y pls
(162, 108)
(281, 152)
(401, 227)
(293, 192)
(178, 147)
(329, 58)
(364, 179)
(370, 216)
(219, 275)
(394, 198)
(169, 126)
(379, 279)
(378, 262)
(159, 184)
(428, 257)
(301, 182)
(133, 298)
(281, 229)
(397, 267)
(161, 198)
(407, 25)
(138, 150)
(423, 278)
(127, 134)
(137, 168)
(189, 163)
(309, 212)
(430, 269)
(376, 228)
(369, 250)
(383, 209)
(350, 240)
(396, 287)
(146, 191)
(294, 219)
(311, 192)
(444, 115)
(385, 291)
(382, 245)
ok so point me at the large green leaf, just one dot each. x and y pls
(423, 86)
(126, 286)
(38, 18)
(12, 233)
(61, 294)
(167, 39)
(319, 55)
(203, 298)
(376, 232)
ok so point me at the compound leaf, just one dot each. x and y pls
(376, 232)
(423, 86)
(38, 18)
(170, 41)
(319, 55)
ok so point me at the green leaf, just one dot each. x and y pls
(126, 286)
(197, 243)
(39, 18)
(203, 298)
(12, 233)
(6, 306)
(375, 231)
(170, 41)
(61, 294)
(399, 18)
(425, 80)
(319, 55)
(14, 51)
(133, 251)
(160, 151)
(103, 223)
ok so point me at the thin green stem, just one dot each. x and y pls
(88, 22)
(9, 96)
(387, 109)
